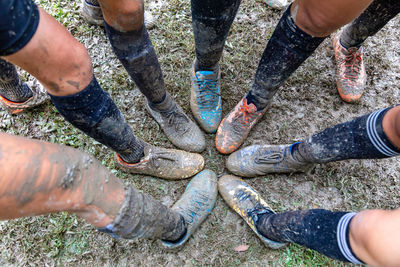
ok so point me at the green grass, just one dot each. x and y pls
(305, 104)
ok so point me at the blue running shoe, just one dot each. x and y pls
(205, 99)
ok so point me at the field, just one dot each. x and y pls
(305, 104)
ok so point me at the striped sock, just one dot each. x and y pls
(361, 138)
(321, 230)
(343, 238)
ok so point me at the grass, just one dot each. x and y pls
(306, 103)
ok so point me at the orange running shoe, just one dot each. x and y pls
(39, 97)
(235, 127)
(350, 71)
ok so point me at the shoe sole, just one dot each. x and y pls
(230, 187)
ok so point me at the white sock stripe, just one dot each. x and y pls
(379, 139)
(375, 139)
(372, 134)
(342, 240)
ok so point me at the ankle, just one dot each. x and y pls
(296, 153)
(205, 67)
(257, 101)
(178, 235)
(166, 104)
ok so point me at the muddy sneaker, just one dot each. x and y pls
(179, 129)
(165, 163)
(247, 203)
(235, 127)
(196, 203)
(39, 97)
(91, 12)
(350, 71)
(205, 99)
(259, 160)
(277, 4)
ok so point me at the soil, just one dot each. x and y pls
(307, 103)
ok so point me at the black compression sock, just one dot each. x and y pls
(361, 138)
(377, 15)
(287, 49)
(93, 112)
(211, 20)
(11, 85)
(137, 55)
(321, 230)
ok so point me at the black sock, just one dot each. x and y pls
(93, 112)
(11, 85)
(211, 20)
(141, 216)
(361, 138)
(137, 55)
(287, 49)
(321, 230)
(377, 15)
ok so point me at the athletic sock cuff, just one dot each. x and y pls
(343, 238)
(92, 93)
(377, 136)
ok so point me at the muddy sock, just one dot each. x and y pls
(321, 230)
(361, 138)
(211, 21)
(377, 15)
(11, 85)
(166, 104)
(143, 217)
(93, 111)
(287, 49)
(137, 55)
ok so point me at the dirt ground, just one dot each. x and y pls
(306, 103)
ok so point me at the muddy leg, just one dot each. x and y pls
(132, 45)
(317, 229)
(63, 65)
(299, 32)
(376, 135)
(40, 178)
(374, 18)
(211, 24)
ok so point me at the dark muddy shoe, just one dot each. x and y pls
(165, 163)
(179, 129)
(39, 96)
(247, 203)
(236, 126)
(259, 160)
(196, 203)
(92, 13)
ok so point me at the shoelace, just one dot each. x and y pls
(195, 206)
(353, 65)
(156, 156)
(175, 118)
(245, 115)
(274, 157)
(208, 95)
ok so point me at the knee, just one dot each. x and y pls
(373, 236)
(123, 15)
(76, 74)
(316, 20)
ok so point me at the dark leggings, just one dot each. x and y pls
(377, 15)
(212, 20)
